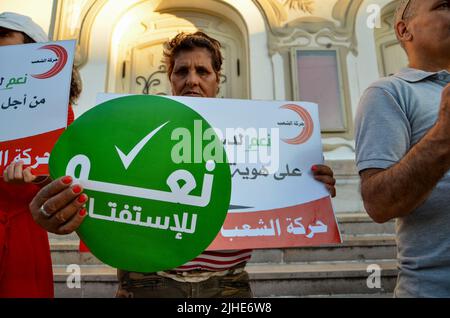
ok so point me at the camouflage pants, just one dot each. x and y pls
(137, 285)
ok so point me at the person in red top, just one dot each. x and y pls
(25, 262)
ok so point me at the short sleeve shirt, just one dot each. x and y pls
(393, 115)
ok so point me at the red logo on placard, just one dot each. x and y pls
(308, 127)
(61, 55)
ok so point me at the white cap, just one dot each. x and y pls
(22, 23)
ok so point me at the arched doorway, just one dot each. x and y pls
(136, 53)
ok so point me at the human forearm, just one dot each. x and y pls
(397, 191)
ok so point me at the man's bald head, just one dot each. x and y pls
(404, 11)
(423, 30)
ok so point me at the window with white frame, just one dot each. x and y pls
(317, 78)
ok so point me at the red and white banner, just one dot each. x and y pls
(307, 224)
(271, 147)
(34, 98)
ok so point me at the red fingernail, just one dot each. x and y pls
(76, 189)
(82, 212)
(82, 198)
(314, 168)
(67, 180)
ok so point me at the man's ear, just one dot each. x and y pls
(402, 32)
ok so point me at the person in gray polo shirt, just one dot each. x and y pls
(403, 149)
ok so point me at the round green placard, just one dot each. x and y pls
(157, 177)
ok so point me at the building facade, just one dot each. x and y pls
(323, 51)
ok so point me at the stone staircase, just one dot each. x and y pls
(332, 270)
(296, 272)
(326, 271)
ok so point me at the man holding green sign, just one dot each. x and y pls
(196, 212)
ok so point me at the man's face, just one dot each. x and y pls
(193, 74)
(430, 27)
(10, 37)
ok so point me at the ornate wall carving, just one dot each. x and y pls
(315, 24)
(75, 20)
(306, 23)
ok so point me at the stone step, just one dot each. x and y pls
(54, 238)
(343, 169)
(352, 249)
(96, 281)
(361, 224)
(274, 280)
(330, 278)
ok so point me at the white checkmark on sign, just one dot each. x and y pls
(128, 159)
